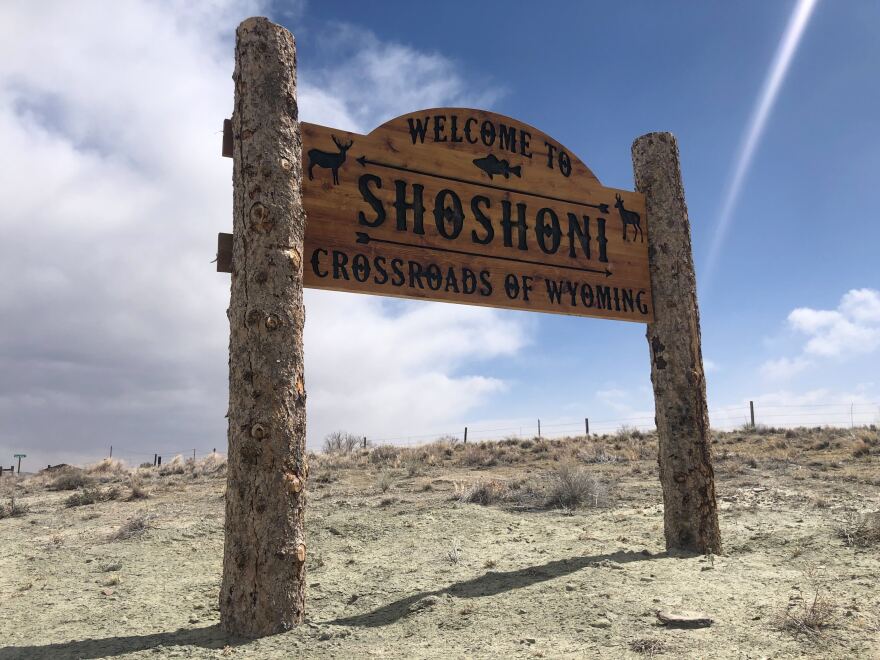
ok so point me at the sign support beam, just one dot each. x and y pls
(690, 514)
(263, 587)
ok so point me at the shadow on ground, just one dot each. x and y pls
(490, 584)
(211, 637)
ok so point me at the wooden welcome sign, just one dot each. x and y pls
(471, 207)
(448, 204)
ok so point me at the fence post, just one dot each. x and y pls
(160, 461)
(465, 435)
(111, 451)
(539, 429)
(264, 557)
(690, 509)
(365, 442)
(155, 456)
(752, 410)
(587, 426)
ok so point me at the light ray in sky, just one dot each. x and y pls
(797, 24)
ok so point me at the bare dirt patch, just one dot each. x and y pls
(531, 575)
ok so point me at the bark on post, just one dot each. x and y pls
(264, 554)
(690, 514)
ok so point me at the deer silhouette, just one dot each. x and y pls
(328, 159)
(629, 218)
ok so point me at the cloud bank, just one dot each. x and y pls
(113, 320)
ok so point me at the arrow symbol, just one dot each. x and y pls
(365, 239)
(364, 161)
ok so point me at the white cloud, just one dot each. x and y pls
(851, 329)
(784, 368)
(114, 326)
(854, 327)
(381, 80)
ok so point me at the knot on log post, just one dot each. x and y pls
(259, 217)
(272, 322)
(258, 431)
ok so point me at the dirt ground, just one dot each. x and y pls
(401, 567)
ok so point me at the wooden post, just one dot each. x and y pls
(365, 442)
(159, 461)
(263, 587)
(539, 429)
(111, 451)
(587, 426)
(752, 411)
(690, 515)
(465, 435)
(155, 456)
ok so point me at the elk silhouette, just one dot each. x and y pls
(328, 159)
(629, 218)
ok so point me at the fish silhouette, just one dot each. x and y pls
(491, 165)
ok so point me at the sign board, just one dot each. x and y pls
(471, 207)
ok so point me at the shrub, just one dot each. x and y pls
(13, 509)
(92, 495)
(108, 466)
(212, 464)
(340, 442)
(483, 492)
(859, 531)
(70, 479)
(572, 486)
(88, 495)
(387, 455)
(598, 454)
(138, 492)
(809, 616)
(477, 456)
(133, 527)
(175, 466)
(385, 481)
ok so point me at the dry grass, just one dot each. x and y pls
(384, 481)
(572, 487)
(859, 530)
(138, 492)
(810, 616)
(70, 478)
(13, 509)
(109, 467)
(483, 492)
(647, 647)
(92, 495)
(132, 528)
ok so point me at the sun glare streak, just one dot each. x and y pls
(797, 24)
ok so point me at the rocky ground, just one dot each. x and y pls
(518, 549)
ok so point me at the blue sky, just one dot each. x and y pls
(115, 329)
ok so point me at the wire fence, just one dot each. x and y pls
(723, 418)
(746, 415)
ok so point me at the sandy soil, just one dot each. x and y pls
(414, 573)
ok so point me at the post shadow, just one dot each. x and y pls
(490, 584)
(210, 637)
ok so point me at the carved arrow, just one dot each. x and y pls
(364, 161)
(364, 238)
